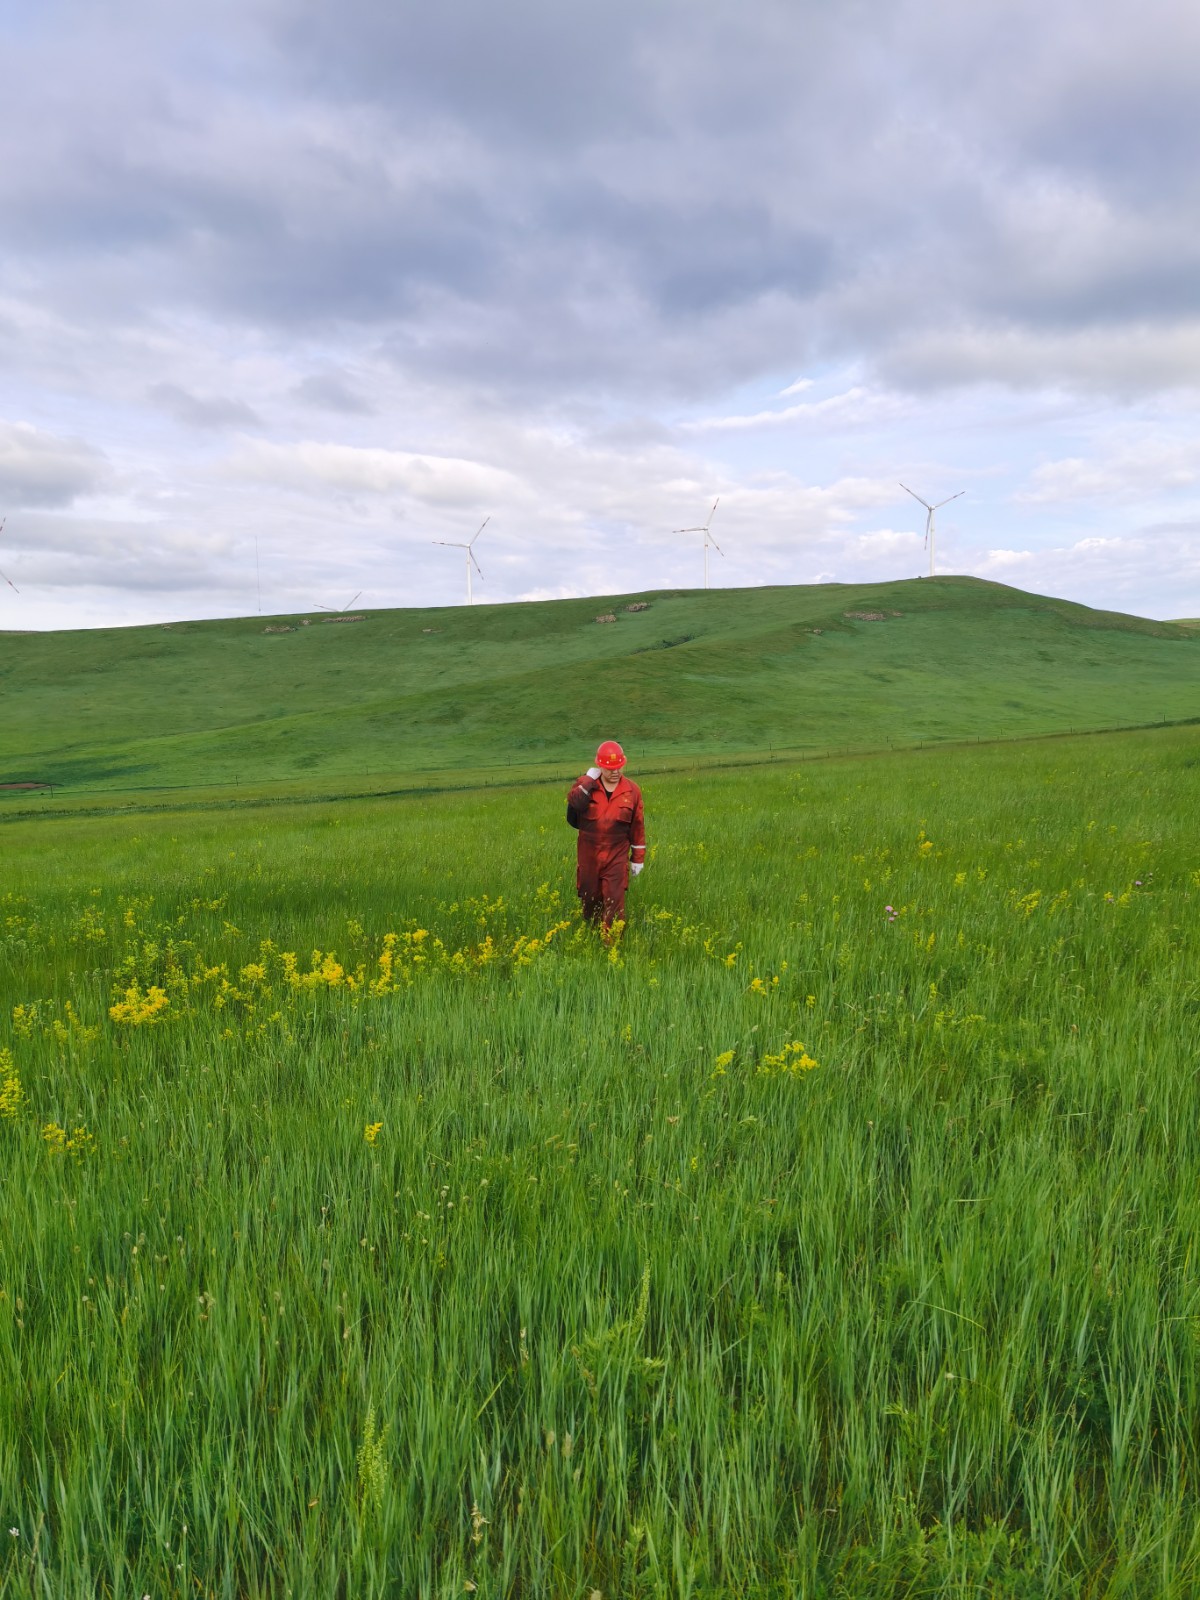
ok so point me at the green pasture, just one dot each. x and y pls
(371, 1229)
(256, 701)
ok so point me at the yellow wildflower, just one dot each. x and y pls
(137, 1008)
(793, 1058)
(62, 1143)
(326, 972)
(371, 1131)
(385, 982)
(12, 1096)
(24, 1018)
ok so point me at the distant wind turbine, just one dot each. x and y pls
(346, 607)
(7, 580)
(929, 510)
(708, 538)
(451, 544)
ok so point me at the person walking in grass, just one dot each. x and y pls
(606, 807)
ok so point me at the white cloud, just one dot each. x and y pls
(1129, 473)
(885, 545)
(438, 480)
(856, 407)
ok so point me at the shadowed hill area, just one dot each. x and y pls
(691, 673)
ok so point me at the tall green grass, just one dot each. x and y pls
(612, 1300)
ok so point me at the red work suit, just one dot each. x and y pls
(612, 829)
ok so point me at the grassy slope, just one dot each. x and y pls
(201, 702)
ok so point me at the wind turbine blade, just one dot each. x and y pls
(690, 530)
(948, 499)
(349, 603)
(482, 526)
(475, 563)
(450, 544)
(715, 545)
(916, 496)
(9, 581)
(713, 512)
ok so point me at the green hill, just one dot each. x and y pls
(693, 673)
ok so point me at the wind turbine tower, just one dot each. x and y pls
(708, 538)
(929, 511)
(451, 544)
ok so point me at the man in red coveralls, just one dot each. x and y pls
(607, 809)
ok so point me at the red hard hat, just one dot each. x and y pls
(610, 756)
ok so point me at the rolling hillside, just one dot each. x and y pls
(692, 673)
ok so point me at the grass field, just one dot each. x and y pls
(369, 1230)
(252, 701)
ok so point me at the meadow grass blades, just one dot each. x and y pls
(835, 1233)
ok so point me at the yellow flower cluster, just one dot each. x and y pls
(24, 1020)
(12, 1096)
(137, 1008)
(793, 1058)
(76, 1143)
(371, 1131)
(325, 972)
(526, 951)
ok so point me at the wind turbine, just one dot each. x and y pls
(929, 510)
(7, 580)
(346, 607)
(708, 538)
(451, 544)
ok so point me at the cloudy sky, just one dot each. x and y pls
(289, 290)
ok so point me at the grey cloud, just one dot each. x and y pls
(327, 392)
(42, 469)
(530, 70)
(57, 553)
(533, 240)
(195, 411)
(664, 199)
(1125, 360)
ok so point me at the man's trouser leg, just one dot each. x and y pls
(602, 895)
(591, 902)
(612, 892)
(591, 896)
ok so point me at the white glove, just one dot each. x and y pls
(593, 772)
(636, 866)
